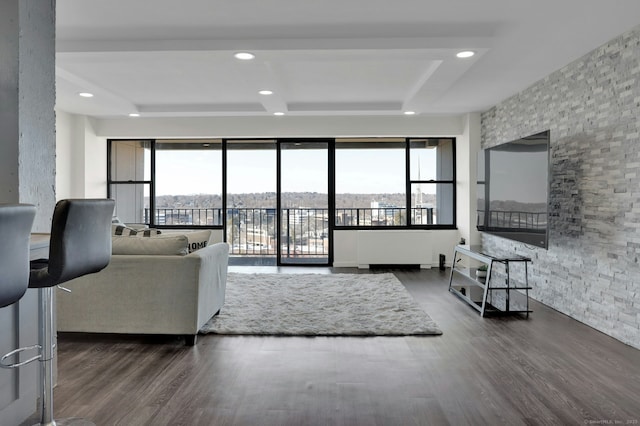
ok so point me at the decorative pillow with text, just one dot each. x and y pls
(197, 239)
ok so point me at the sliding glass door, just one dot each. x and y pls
(251, 201)
(303, 189)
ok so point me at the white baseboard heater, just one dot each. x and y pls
(394, 247)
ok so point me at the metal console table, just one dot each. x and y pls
(479, 292)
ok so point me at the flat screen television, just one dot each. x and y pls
(513, 190)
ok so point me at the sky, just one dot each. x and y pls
(199, 172)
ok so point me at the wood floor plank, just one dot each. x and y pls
(548, 369)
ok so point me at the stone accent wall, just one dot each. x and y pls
(592, 107)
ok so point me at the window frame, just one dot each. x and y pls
(409, 183)
(332, 186)
(223, 210)
(111, 181)
(451, 181)
(370, 142)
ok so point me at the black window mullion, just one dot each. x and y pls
(407, 173)
(152, 187)
(224, 190)
(331, 214)
(109, 142)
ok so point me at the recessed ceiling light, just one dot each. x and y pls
(278, 113)
(465, 54)
(134, 114)
(409, 113)
(265, 92)
(86, 94)
(245, 56)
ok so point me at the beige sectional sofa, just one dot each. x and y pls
(151, 286)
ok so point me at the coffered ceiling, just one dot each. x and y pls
(168, 58)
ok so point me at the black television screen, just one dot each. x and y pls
(513, 190)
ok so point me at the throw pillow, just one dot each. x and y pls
(197, 239)
(122, 230)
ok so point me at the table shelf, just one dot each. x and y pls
(477, 292)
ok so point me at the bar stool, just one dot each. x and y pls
(16, 221)
(80, 244)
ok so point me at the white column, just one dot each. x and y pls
(467, 147)
(27, 99)
(27, 168)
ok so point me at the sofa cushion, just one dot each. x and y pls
(158, 245)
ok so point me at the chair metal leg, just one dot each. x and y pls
(47, 341)
(45, 337)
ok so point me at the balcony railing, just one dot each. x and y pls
(383, 216)
(252, 231)
(513, 220)
(185, 216)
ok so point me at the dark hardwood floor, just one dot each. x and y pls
(547, 370)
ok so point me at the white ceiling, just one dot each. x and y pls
(170, 58)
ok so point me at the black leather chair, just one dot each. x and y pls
(80, 244)
(16, 221)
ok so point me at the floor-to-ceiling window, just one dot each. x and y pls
(280, 198)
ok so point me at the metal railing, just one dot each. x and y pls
(252, 231)
(305, 232)
(383, 216)
(185, 216)
(512, 220)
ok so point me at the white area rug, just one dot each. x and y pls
(319, 305)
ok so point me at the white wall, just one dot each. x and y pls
(81, 158)
(345, 246)
(95, 160)
(66, 160)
